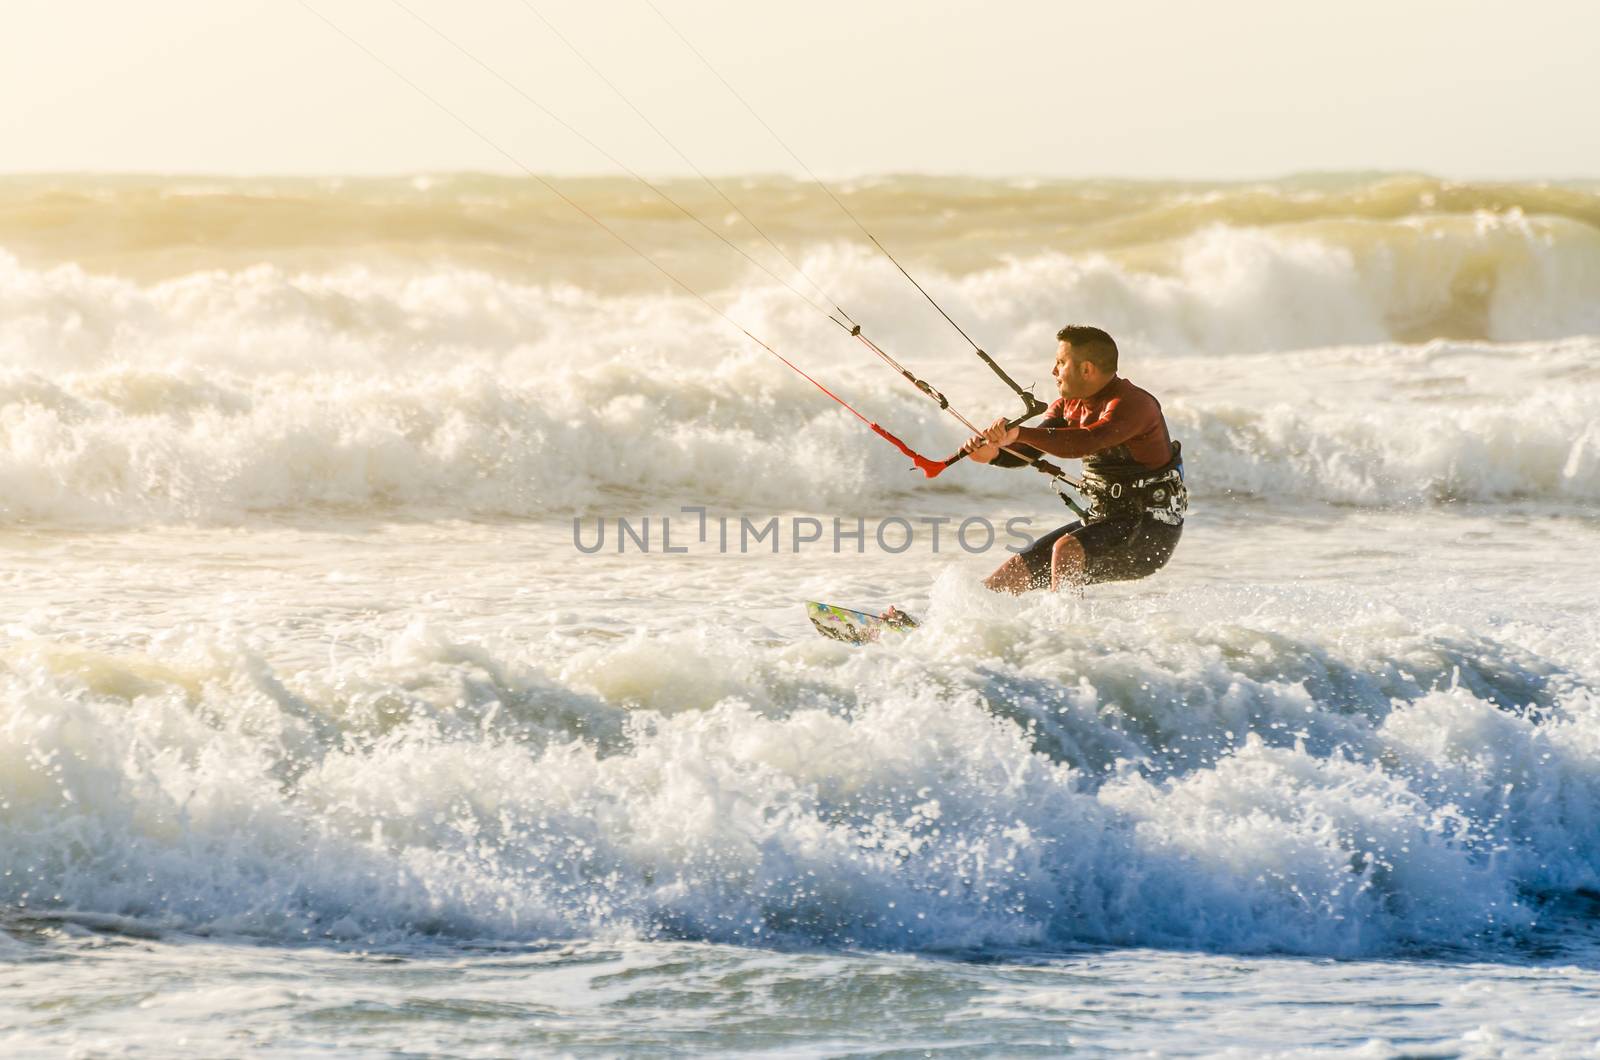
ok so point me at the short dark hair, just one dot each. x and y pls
(1092, 345)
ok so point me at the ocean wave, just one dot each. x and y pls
(1217, 290)
(131, 446)
(161, 227)
(1404, 426)
(1390, 785)
(217, 394)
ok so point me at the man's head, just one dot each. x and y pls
(1086, 360)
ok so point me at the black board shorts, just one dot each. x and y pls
(1114, 550)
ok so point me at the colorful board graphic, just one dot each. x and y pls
(854, 627)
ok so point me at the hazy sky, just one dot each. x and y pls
(1189, 88)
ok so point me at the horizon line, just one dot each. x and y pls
(1357, 173)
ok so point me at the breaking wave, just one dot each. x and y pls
(1166, 779)
(127, 445)
(218, 394)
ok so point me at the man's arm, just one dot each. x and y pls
(1005, 459)
(1121, 420)
(982, 452)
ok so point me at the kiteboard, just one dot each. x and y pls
(855, 627)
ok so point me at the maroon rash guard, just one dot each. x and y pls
(1116, 430)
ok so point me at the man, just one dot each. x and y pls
(1132, 473)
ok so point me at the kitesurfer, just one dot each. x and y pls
(1132, 473)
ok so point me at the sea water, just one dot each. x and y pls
(324, 726)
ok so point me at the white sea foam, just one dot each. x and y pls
(219, 394)
(1197, 782)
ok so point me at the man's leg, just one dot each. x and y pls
(1032, 568)
(1123, 548)
(1012, 576)
(1069, 566)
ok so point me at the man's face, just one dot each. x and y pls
(1074, 378)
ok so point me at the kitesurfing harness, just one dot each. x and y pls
(1160, 494)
